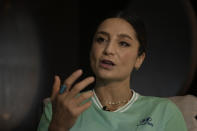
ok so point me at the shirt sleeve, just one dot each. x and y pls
(175, 120)
(45, 118)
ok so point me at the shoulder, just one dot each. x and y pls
(157, 101)
(165, 110)
(157, 104)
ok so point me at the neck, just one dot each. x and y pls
(113, 90)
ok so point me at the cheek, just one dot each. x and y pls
(95, 51)
(94, 55)
(128, 59)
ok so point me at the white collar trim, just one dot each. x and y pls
(121, 109)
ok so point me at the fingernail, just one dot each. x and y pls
(55, 77)
(92, 77)
(80, 70)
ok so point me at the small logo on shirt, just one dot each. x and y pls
(146, 121)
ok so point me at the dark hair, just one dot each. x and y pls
(138, 26)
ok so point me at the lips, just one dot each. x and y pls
(107, 64)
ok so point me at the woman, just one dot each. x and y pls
(118, 48)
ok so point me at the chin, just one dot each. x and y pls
(105, 75)
(111, 76)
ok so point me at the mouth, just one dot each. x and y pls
(106, 64)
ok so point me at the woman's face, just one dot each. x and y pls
(114, 51)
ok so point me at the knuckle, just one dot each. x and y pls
(62, 100)
(89, 79)
(74, 113)
(68, 83)
(76, 88)
(85, 81)
(75, 74)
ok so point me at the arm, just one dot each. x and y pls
(174, 119)
(63, 110)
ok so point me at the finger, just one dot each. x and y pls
(83, 97)
(80, 86)
(56, 87)
(83, 107)
(72, 78)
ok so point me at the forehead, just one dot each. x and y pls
(116, 26)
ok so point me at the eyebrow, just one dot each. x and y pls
(125, 35)
(120, 35)
(104, 33)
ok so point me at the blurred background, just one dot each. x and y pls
(41, 38)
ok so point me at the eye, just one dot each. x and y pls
(124, 44)
(100, 39)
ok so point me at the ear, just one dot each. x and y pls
(139, 60)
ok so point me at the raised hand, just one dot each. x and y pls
(68, 105)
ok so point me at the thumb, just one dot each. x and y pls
(56, 87)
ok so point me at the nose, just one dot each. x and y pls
(109, 49)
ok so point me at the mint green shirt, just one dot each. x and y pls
(141, 113)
